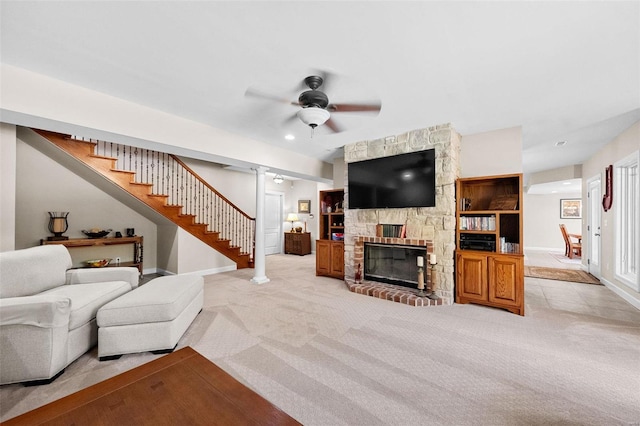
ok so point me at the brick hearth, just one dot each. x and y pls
(391, 292)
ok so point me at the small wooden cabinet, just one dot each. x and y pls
(330, 258)
(489, 256)
(471, 276)
(330, 245)
(494, 280)
(297, 243)
(506, 282)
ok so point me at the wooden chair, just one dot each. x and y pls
(573, 243)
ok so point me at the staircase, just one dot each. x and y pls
(163, 182)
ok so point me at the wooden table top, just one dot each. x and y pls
(180, 388)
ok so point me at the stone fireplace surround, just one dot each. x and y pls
(433, 227)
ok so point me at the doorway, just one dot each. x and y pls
(273, 219)
(593, 241)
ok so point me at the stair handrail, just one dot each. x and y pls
(190, 170)
(227, 231)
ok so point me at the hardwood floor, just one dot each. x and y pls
(180, 388)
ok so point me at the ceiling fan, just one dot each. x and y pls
(316, 109)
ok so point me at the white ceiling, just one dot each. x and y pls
(562, 70)
(562, 187)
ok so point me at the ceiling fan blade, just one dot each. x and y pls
(293, 117)
(254, 93)
(331, 124)
(375, 107)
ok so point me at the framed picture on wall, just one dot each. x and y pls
(304, 206)
(571, 209)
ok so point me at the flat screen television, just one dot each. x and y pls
(398, 181)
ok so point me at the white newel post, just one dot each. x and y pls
(259, 260)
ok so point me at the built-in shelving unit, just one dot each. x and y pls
(489, 257)
(330, 245)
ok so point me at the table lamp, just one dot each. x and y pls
(292, 217)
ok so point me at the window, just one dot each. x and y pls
(627, 202)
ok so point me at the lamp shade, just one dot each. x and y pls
(292, 217)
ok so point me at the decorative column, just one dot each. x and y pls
(259, 260)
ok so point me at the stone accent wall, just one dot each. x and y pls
(424, 223)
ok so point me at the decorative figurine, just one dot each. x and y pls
(359, 274)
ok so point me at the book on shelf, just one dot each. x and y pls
(465, 204)
(506, 247)
(478, 223)
(391, 231)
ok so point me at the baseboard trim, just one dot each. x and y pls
(620, 292)
(202, 272)
(552, 249)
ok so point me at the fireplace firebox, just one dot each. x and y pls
(392, 263)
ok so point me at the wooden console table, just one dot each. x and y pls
(93, 242)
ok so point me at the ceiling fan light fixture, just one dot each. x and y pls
(313, 116)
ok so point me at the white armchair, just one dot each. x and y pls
(48, 311)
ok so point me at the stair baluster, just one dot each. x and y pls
(167, 177)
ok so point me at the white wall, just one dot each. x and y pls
(8, 143)
(237, 187)
(339, 167)
(196, 256)
(179, 252)
(167, 249)
(542, 219)
(303, 190)
(625, 144)
(491, 153)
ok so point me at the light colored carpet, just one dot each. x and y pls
(572, 275)
(327, 356)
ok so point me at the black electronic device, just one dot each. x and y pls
(477, 242)
(398, 181)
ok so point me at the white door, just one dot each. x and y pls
(273, 218)
(594, 199)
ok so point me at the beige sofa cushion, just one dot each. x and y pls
(86, 299)
(33, 270)
(161, 299)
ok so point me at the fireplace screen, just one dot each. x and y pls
(393, 264)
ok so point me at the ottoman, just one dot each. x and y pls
(152, 317)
